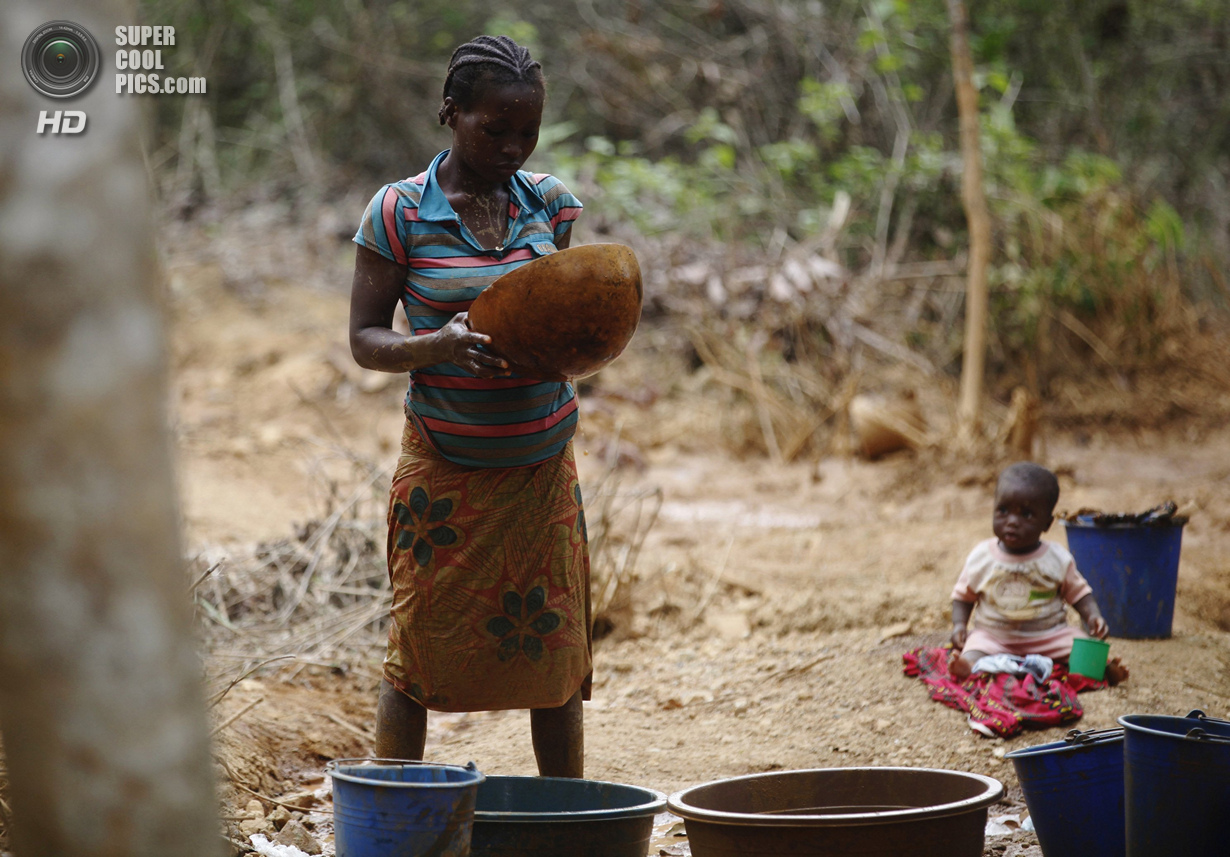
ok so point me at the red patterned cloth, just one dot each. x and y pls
(999, 703)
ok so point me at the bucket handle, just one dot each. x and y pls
(1197, 714)
(1198, 734)
(333, 764)
(1076, 736)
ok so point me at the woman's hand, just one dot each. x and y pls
(375, 292)
(460, 345)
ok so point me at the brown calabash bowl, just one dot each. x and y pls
(565, 315)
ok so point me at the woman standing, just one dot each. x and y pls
(487, 548)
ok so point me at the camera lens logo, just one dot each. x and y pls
(60, 59)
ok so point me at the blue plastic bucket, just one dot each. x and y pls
(1134, 571)
(393, 808)
(1177, 784)
(1074, 791)
(556, 817)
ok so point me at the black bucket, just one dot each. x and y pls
(1176, 774)
(559, 817)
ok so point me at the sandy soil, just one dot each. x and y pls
(770, 606)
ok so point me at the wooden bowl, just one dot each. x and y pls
(565, 315)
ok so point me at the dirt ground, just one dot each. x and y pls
(771, 603)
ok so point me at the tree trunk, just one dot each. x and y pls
(973, 363)
(100, 699)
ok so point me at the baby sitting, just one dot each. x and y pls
(1021, 585)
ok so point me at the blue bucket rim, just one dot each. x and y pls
(1170, 524)
(992, 791)
(332, 768)
(651, 807)
(1192, 719)
(1095, 738)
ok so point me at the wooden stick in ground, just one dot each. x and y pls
(240, 713)
(204, 575)
(714, 582)
(295, 807)
(760, 396)
(974, 199)
(218, 697)
(234, 781)
(350, 727)
(320, 537)
(1090, 338)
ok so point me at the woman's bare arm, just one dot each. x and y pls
(374, 294)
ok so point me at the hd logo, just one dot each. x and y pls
(61, 122)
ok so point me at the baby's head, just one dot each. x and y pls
(1025, 498)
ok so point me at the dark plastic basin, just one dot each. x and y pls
(557, 817)
(871, 812)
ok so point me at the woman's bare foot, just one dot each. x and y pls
(1116, 672)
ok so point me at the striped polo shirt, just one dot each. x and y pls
(478, 422)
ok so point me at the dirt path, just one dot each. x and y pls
(771, 604)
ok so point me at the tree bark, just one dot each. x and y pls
(101, 704)
(973, 198)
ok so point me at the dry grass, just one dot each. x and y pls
(618, 523)
(315, 599)
(790, 401)
(320, 598)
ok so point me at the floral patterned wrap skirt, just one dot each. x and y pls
(490, 574)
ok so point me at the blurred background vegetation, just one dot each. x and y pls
(789, 171)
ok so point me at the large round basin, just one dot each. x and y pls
(869, 812)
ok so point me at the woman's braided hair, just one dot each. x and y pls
(488, 59)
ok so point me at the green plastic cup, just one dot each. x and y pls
(1089, 658)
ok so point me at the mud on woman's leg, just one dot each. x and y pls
(401, 725)
(559, 739)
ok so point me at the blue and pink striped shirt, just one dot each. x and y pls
(478, 422)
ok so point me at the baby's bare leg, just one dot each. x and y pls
(401, 725)
(559, 739)
(1116, 672)
(964, 665)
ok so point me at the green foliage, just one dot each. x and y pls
(1104, 126)
(823, 103)
(522, 32)
(1074, 244)
(366, 77)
